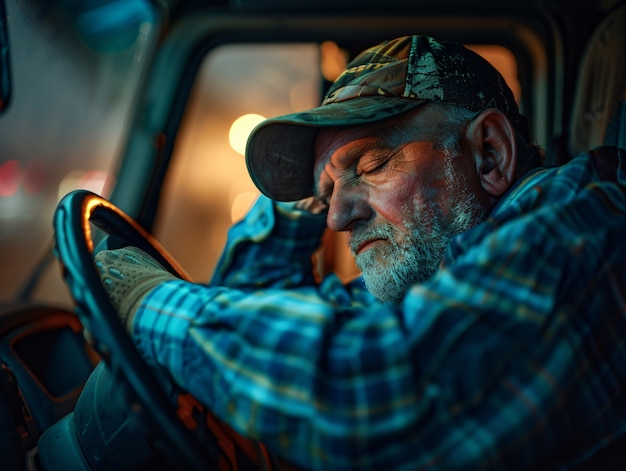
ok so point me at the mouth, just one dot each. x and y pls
(366, 245)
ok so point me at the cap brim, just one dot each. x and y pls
(280, 151)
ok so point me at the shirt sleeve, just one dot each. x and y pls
(272, 246)
(489, 365)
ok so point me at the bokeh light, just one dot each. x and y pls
(333, 60)
(241, 129)
(34, 177)
(9, 178)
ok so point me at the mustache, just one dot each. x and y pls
(362, 234)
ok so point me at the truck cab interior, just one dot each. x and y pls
(128, 118)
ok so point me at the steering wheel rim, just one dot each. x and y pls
(74, 247)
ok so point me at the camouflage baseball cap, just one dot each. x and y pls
(383, 81)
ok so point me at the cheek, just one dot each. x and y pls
(406, 198)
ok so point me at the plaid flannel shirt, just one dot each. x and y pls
(513, 356)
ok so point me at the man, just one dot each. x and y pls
(492, 332)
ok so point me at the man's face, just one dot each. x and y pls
(398, 196)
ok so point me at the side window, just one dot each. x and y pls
(208, 187)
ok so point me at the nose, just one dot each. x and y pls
(347, 206)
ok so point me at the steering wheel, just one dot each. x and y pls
(74, 247)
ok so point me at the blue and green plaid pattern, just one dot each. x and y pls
(513, 356)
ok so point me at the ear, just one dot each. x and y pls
(495, 151)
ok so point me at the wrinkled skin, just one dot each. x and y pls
(399, 196)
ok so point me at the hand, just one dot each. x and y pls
(311, 204)
(128, 274)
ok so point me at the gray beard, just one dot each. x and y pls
(390, 268)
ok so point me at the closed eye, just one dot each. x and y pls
(371, 165)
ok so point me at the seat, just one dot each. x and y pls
(599, 119)
(599, 108)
